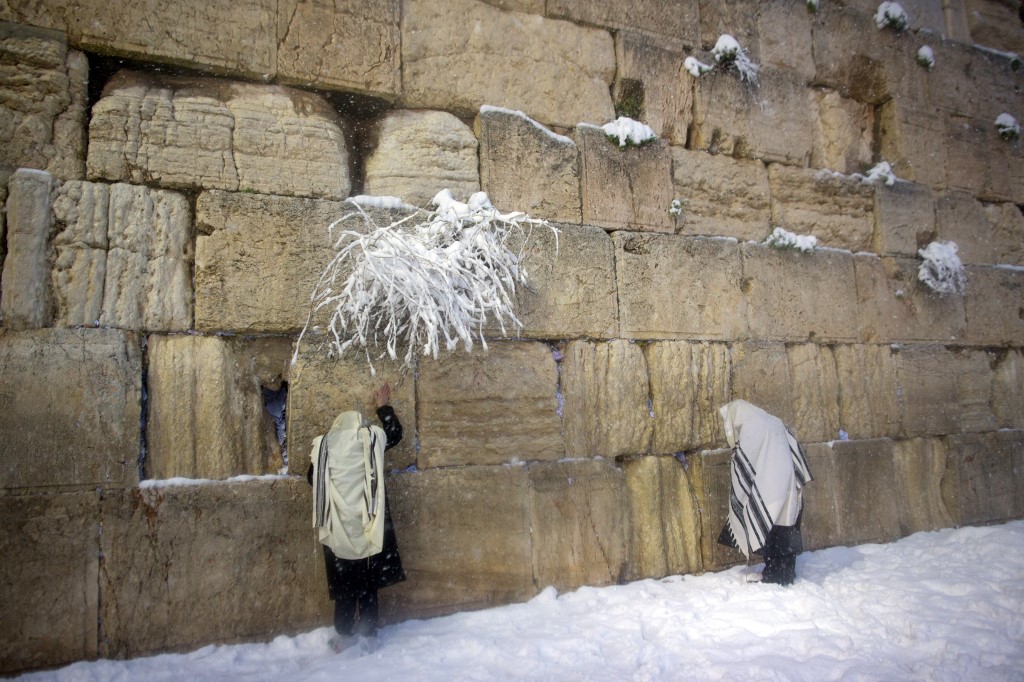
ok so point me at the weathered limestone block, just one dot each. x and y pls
(489, 407)
(259, 257)
(961, 218)
(464, 535)
(526, 167)
(993, 306)
(904, 218)
(837, 209)
(820, 524)
(26, 300)
(345, 44)
(942, 392)
(570, 290)
(894, 305)
(231, 36)
(869, 392)
(72, 402)
(42, 115)
(983, 482)
(760, 375)
(785, 292)
(689, 382)
(815, 378)
(866, 489)
(920, 465)
(579, 505)
(81, 212)
(1007, 223)
(783, 36)
(666, 529)
(678, 287)
(724, 196)
(982, 163)
(842, 133)
(650, 78)
(203, 133)
(710, 478)
(971, 82)
(676, 20)
(320, 387)
(773, 121)
(458, 55)
(913, 140)
(994, 24)
(206, 415)
(1008, 389)
(628, 188)
(734, 17)
(419, 153)
(52, 541)
(173, 565)
(605, 392)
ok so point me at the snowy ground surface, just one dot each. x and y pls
(934, 606)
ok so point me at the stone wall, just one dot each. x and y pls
(164, 224)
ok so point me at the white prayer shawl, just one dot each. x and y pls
(348, 487)
(768, 470)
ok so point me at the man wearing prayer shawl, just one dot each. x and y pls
(769, 471)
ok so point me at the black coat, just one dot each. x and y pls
(350, 577)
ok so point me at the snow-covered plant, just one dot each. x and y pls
(941, 269)
(1008, 127)
(926, 57)
(696, 67)
(728, 53)
(426, 282)
(881, 172)
(676, 209)
(892, 15)
(626, 132)
(812, 6)
(788, 241)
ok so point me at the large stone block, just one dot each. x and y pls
(814, 376)
(464, 535)
(842, 133)
(760, 375)
(904, 218)
(944, 392)
(345, 44)
(666, 528)
(49, 587)
(625, 188)
(42, 116)
(230, 36)
(773, 121)
(710, 477)
(489, 407)
(735, 17)
(837, 209)
(579, 505)
(981, 163)
(1007, 223)
(894, 305)
(961, 218)
(984, 480)
(679, 287)
(819, 526)
(994, 24)
(72, 403)
(972, 82)
(866, 491)
(913, 140)
(81, 212)
(992, 303)
(270, 245)
(689, 382)
(651, 84)
(724, 196)
(419, 153)
(206, 415)
(458, 55)
(605, 399)
(26, 300)
(526, 167)
(173, 566)
(1008, 390)
(570, 290)
(321, 386)
(920, 465)
(677, 20)
(785, 293)
(782, 34)
(869, 392)
(202, 133)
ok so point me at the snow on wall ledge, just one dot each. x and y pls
(151, 296)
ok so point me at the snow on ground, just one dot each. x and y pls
(935, 606)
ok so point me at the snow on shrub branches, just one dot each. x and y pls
(941, 269)
(425, 281)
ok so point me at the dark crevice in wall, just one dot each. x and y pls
(275, 402)
(144, 407)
